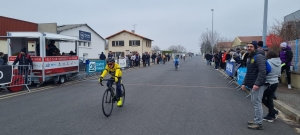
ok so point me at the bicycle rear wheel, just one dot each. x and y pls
(107, 103)
(123, 94)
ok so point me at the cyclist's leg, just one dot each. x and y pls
(118, 85)
(109, 83)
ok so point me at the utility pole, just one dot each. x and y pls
(212, 32)
(265, 22)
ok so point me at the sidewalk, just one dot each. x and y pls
(288, 102)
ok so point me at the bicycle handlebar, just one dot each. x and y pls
(106, 80)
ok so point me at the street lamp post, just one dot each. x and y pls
(265, 22)
(212, 32)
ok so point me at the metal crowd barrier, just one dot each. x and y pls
(21, 77)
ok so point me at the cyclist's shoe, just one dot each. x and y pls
(120, 102)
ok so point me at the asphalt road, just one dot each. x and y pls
(159, 100)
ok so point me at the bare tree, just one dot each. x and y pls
(155, 48)
(282, 31)
(208, 40)
(177, 48)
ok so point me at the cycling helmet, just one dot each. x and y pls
(110, 60)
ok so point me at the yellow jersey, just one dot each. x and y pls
(114, 72)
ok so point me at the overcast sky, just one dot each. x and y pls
(167, 22)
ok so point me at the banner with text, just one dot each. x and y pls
(95, 66)
(241, 73)
(6, 74)
(230, 68)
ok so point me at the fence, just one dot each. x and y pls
(236, 73)
(294, 44)
(15, 77)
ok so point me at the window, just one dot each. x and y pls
(79, 43)
(89, 44)
(117, 43)
(134, 42)
(84, 43)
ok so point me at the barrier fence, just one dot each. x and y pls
(15, 77)
(236, 73)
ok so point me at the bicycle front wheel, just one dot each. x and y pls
(107, 103)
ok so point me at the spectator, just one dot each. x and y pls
(272, 80)
(255, 80)
(25, 62)
(1, 59)
(5, 58)
(244, 59)
(238, 52)
(260, 45)
(137, 60)
(72, 53)
(153, 57)
(169, 57)
(51, 48)
(158, 58)
(208, 58)
(217, 60)
(110, 55)
(129, 60)
(223, 64)
(144, 59)
(63, 54)
(102, 56)
(148, 58)
(286, 57)
(133, 60)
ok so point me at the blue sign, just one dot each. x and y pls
(95, 66)
(230, 68)
(85, 35)
(241, 73)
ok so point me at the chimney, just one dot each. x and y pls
(132, 31)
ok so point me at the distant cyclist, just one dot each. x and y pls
(115, 71)
(176, 62)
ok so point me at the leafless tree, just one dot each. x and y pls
(207, 40)
(155, 48)
(177, 48)
(285, 31)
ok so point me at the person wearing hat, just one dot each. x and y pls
(255, 81)
(286, 57)
(23, 59)
(51, 48)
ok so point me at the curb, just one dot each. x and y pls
(284, 108)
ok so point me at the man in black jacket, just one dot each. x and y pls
(102, 56)
(255, 80)
(25, 63)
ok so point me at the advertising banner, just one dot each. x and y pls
(85, 35)
(122, 63)
(95, 66)
(241, 73)
(230, 68)
(5, 74)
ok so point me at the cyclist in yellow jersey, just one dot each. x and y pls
(115, 71)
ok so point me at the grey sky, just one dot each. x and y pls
(167, 22)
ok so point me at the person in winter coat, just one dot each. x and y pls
(255, 81)
(272, 80)
(25, 62)
(102, 56)
(223, 62)
(217, 61)
(286, 57)
(1, 59)
(208, 58)
(144, 59)
(153, 57)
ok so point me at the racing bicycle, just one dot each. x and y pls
(110, 97)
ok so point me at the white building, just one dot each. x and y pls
(91, 44)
